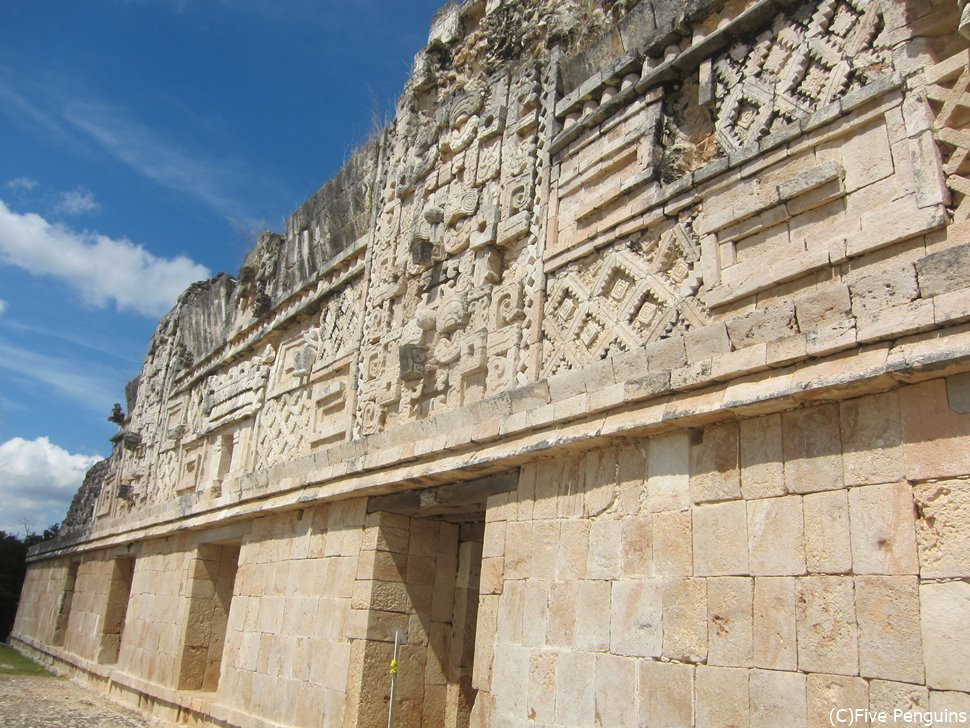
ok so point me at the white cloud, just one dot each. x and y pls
(100, 268)
(77, 202)
(22, 183)
(3, 307)
(38, 479)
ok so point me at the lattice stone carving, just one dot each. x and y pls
(636, 293)
(948, 90)
(284, 424)
(808, 58)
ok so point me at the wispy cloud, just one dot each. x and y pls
(94, 387)
(100, 268)
(88, 125)
(3, 307)
(77, 202)
(152, 156)
(22, 183)
(37, 482)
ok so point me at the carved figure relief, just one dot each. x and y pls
(443, 295)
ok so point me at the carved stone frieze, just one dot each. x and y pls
(636, 292)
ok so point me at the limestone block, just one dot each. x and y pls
(775, 536)
(714, 464)
(943, 529)
(600, 484)
(890, 647)
(945, 615)
(935, 436)
(762, 461)
(883, 288)
(605, 545)
(592, 630)
(494, 542)
(666, 695)
(575, 691)
(668, 473)
(774, 640)
(721, 695)
(944, 271)
(826, 620)
(536, 613)
(518, 550)
(632, 477)
(616, 683)
(720, 539)
(730, 603)
(636, 618)
(892, 696)
(830, 693)
(561, 627)
(637, 546)
(541, 698)
(685, 619)
(828, 547)
(511, 606)
(707, 342)
(771, 323)
(777, 699)
(949, 707)
(492, 575)
(822, 305)
(545, 549)
(672, 543)
(510, 680)
(573, 549)
(872, 437)
(883, 529)
(812, 449)
(485, 636)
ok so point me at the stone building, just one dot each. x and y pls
(625, 378)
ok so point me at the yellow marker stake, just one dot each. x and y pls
(390, 707)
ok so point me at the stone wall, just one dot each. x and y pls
(623, 380)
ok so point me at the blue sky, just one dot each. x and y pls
(143, 143)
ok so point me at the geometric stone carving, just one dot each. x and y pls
(634, 294)
(947, 89)
(810, 57)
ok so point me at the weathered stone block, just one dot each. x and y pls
(832, 696)
(775, 536)
(685, 619)
(721, 696)
(616, 681)
(672, 543)
(945, 619)
(828, 548)
(762, 461)
(714, 466)
(812, 449)
(827, 633)
(666, 694)
(573, 549)
(777, 699)
(729, 613)
(883, 529)
(944, 271)
(893, 696)
(872, 437)
(575, 691)
(604, 555)
(934, 435)
(720, 539)
(890, 647)
(593, 615)
(636, 620)
(668, 473)
(943, 529)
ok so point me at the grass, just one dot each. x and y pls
(13, 663)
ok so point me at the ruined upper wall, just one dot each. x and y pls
(578, 207)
